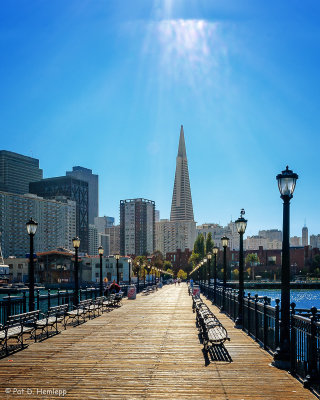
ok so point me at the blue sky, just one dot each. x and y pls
(107, 84)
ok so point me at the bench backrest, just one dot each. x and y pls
(58, 310)
(28, 318)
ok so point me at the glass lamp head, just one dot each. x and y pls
(76, 242)
(32, 227)
(215, 250)
(117, 256)
(225, 241)
(241, 223)
(100, 250)
(209, 256)
(287, 182)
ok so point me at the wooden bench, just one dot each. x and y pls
(79, 313)
(211, 329)
(53, 317)
(216, 335)
(16, 327)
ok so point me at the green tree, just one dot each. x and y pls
(141, 260)
(167, 265)
(181, 274)
(209, 243)
(235, 273)
(252, 259)
(199, 246)
(158, 259)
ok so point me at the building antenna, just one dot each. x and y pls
(305, 222)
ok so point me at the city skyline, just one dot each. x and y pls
(107, 89)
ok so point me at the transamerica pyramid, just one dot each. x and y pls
(181, 206)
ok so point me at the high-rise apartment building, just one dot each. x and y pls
(93, 242)
(173, 235)
(56, 223)
(103, 222)
(217, 232)
(315, 241)
(137, 227)
(104, 241)
(74, 189)
(114, 233)
(86, 175)
(295, 241)
(17, 171)
(181, 206)
(305, 240)
(271, 234)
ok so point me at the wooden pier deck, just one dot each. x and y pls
(147, 349)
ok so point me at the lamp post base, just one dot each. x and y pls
(281, 359)
(238, 322)
(310, 380)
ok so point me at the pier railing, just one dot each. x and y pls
(13, 305)
(262, 322)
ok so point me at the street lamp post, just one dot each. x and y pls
(76, 245)
(144, 275)
(209, 256)
(100, 250)
(117, 257)
(129, 271)
(215, 252)
(204, 271)
(286, 183)
(31, 229)
(225, 241)
(138, 265)
(241, 225)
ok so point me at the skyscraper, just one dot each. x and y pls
(86, 175)
(305, 236)
(137, 227)
(180, 231)
(181, 206)
(17, 171)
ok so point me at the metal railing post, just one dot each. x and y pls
(293, 341)
(313, 374)
(277, 323)
(265, 323)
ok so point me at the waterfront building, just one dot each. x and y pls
(157, 215)
(56, 223)
(74, 189)
(305, 240)
(109, 268)
(114, 233)
(137, 227)
(17, 171)
(86, 175)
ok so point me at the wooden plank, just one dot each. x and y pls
(147, 349)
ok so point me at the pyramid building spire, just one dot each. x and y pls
(181, 206)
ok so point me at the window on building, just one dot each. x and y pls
(97, 274)
(272, 260)
(109, 276)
